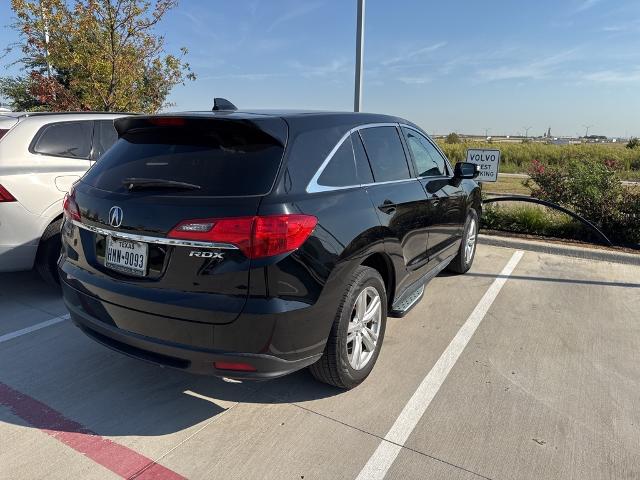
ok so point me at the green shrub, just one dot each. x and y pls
(592, 190)
(633, 143)
(531, 219)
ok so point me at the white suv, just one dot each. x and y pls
(41, 155)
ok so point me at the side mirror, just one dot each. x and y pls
(464, 170)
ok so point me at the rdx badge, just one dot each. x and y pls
(205, 254)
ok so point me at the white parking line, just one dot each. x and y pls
(394, 440)
(33, 328)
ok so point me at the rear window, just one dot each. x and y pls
(223, 157)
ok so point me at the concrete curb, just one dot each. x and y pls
(556, 249)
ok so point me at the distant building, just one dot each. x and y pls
(596, 138)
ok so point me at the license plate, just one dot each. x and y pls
(126, 256)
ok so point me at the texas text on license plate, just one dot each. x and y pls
(126, 256)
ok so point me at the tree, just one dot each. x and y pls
(100, 55)
(633, 143)
(452, 138)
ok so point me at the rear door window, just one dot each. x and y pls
(64, 139)
(222, 157)
(341, 169)
(385, 152)
(104, 136)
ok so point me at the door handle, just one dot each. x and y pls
(387, 207)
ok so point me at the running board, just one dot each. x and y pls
(403, 307)
(407, 301)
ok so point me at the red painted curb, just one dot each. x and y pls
(119, 459)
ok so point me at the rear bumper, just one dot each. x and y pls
(177, 343)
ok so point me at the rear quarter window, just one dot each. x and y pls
(224, 158)
(341, 169)
(64, 139)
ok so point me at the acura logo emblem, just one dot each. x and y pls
(115, 216)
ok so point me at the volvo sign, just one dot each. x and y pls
(488, 161)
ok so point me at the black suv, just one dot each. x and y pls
(253, 244)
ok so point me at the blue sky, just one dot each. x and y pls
(449, 66)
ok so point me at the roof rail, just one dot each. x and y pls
(39, 114)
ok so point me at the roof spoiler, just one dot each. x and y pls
(223, 104)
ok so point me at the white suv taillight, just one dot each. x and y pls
(5, 196)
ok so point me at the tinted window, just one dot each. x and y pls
(341, 169)
(429, 162)
(104, 136)
(362, 162)
(223, 157)
(385, 152)
(65, 139)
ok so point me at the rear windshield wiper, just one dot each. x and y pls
(140, 183)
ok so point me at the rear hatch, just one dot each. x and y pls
(161, 217)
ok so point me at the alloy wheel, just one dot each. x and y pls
(470, 242)
(364, 328)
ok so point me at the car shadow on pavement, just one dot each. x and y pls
(113, 395)
(29, 289)
(109, 393)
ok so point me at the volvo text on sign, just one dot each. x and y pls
(489, 162)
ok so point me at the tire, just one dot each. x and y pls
(336, 366)
(48, 253)
(464, 259)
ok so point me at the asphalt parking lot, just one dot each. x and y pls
(526, 367)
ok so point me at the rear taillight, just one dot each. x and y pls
(5, 196)
(273, 235)
(256, 237)
(70, 206)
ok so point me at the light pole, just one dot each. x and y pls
(46, 39)
(526, 131)
(586, 134)
(357, 94)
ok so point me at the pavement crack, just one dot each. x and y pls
(382, 439)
